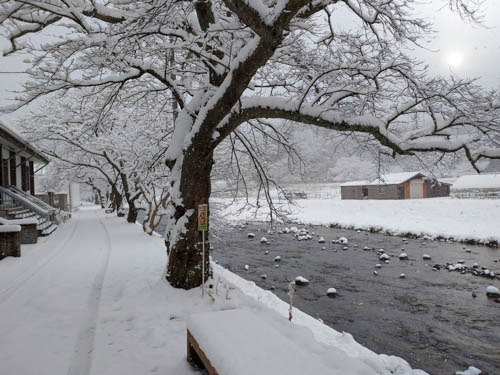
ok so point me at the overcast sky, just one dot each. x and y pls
(459, 48)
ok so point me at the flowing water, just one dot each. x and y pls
(430, 317)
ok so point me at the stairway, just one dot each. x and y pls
(20, 205)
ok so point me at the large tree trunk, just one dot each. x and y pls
(185, 261)
(132, 212)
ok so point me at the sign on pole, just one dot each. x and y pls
(203, 226)
(203, 217)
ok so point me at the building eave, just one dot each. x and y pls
(13, 138)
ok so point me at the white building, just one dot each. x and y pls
(19, 161)
(480, 186)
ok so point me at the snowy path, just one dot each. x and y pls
(51, 295)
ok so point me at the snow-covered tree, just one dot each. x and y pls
(124, 150)
(218, 64)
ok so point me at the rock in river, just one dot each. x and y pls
(331, 292)
(299, 280)
(492, 291)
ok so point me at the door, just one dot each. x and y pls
(416, 189)
(364, 193)
(401, 192)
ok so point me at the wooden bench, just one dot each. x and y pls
(238, 342)
(10, 241)
(29, 233)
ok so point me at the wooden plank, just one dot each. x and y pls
(196, 354)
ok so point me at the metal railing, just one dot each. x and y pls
(9, 196)
(33, 199)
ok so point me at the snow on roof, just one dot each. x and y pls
(394, 178)
(477, 181)
(355, 183)
(11, 136)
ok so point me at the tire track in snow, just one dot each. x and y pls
(10, 290)
(82, 357)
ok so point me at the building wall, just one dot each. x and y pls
(382, 191)
(431, 189)
(351, 192)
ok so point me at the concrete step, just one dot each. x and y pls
(17, 210)
(43, 225)
(25, 215)
(48, 231)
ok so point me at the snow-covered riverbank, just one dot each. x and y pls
(460, 219)
(91, 299)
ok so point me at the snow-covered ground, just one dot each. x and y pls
(90, 299)
(461, 219)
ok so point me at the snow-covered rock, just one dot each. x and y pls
(323, 248)
(426, 257)
(455, 267)
(247, 267)
(286, 230)
(263, 276)
(387, 261)
(263, 240)
(402, 276)
(321, 240)
(384, 257)
(375, 273)
(366, 248)
(470, 371)
(343, 240)
(475, 265)
(345, 248)
(403, 256)
(277, 259)
(266, 252)
(294, 229)
(251, 235)
(331, 292)
(300, 280)
(276, 266)
(492, 291)
(378, 265)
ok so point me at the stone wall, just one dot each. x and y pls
(10, 244)
(29, 234)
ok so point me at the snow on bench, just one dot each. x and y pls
(238, 342)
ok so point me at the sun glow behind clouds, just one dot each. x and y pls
(455, 59)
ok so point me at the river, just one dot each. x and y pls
(439, 321)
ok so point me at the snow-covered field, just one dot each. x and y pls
(90, 299)
(461, 219)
